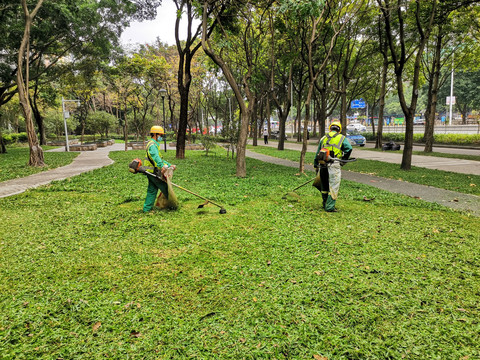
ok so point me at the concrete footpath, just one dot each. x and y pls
(86, 161)
(90, 160)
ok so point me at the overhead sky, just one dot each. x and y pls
(163, 27)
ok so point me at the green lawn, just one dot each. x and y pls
(468, 184)
(14, 164)
(84, 274)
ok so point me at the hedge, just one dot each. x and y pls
(452, 139)
(15, 138)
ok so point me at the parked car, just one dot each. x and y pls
(356, 139)
(419, 121)
(390, 146)
(356, 126)
(275, 134)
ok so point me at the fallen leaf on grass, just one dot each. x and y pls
(319, 357)
(367, 199)
(135, 334)
(473, 185)
(96, 326)
(460, 309)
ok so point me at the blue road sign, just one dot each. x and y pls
(358, 104)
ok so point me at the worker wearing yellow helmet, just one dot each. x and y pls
(155, 164)
(332, 146)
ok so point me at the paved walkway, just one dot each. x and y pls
(90, 160)
(86, 161)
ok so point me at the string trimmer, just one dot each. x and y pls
(309, 181)
(136, 167)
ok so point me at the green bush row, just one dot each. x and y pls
(15, 138)
(453, 139)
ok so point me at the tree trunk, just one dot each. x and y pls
(305, 127)
(299, 116)
(184, 77)
(36, 151)
(254, 121)
(433, 95)
(38, 116)
(125, 126)
(381, 107)
(241, 167)
(3, 148)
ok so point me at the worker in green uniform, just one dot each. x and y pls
(155, 164)
(330, 171)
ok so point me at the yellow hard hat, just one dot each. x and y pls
(337, 124)
(157, 130)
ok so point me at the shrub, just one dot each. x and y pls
(15, 137)
(453, 139)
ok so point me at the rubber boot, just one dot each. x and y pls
(330, 205)
(324, 198)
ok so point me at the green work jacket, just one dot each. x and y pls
(153, 159)
(337, 144)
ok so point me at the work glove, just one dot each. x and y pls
(164, 169)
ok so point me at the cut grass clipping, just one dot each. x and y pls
(85, 274)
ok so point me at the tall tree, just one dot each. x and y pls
(454, 33)
(239, 51)
(325, 20)
(23, 66)
(403, 34)
(186, 51)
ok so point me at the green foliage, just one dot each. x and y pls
(100, 122)
(302, 8)
(14, 163)
(54, 123)
(87, 274)
(11, 138)
(208, 142)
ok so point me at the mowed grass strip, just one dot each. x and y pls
(14, 164)
(85, 274)
(467, 184)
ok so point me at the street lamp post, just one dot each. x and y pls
(163, 92)
(65, 117)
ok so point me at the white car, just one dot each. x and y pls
(356, 126)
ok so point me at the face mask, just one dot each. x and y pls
(159, 139)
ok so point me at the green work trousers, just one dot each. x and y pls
(154, 185)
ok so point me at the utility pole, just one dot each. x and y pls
(163, 92)
(65, 117)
